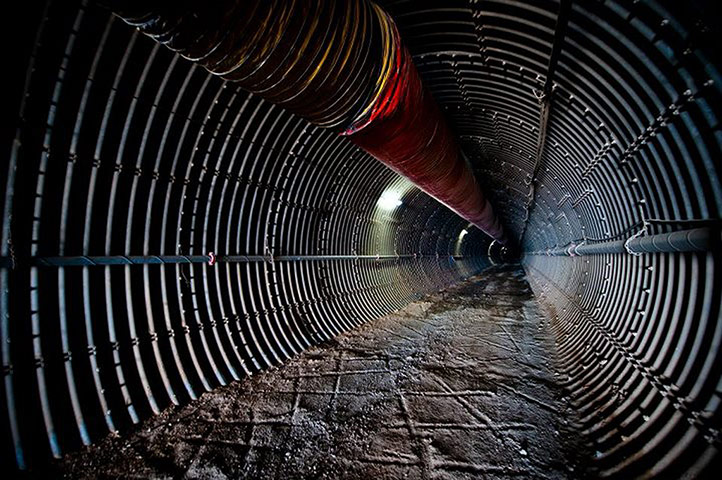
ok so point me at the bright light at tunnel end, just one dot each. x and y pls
(389, 200)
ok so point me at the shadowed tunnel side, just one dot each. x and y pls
(166, 232)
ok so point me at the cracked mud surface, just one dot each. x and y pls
(460, 385)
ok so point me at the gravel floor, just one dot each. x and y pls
(460, 385)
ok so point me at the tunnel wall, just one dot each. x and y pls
(128, 167)
(638, 336)
(124, 153)
(638, 347)
(630, 146)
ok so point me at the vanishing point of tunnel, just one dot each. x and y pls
(360, 239)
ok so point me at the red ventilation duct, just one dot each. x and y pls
(340, 65)
(406, 131)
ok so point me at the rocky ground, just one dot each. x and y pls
(460, 385)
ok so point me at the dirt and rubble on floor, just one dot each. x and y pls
(459, 385)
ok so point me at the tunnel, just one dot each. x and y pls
(171, 232)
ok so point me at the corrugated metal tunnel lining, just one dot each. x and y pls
(129, 165)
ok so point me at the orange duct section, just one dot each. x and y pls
(340, 65)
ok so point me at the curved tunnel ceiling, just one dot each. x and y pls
(588, 123)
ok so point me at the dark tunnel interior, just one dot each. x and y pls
(166, 233)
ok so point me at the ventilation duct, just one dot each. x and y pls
(339, 65)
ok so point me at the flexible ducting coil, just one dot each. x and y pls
(339, 65)
(166, 232)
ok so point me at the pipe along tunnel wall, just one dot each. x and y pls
(588, 124)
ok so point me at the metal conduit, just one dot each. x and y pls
(695, 240)
(124, 150)
(87, 261)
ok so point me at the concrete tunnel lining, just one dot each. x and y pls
(123, 150)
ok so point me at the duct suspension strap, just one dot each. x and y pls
(340, 65)
(545, 105)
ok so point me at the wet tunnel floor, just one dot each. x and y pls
(460, 385)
